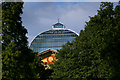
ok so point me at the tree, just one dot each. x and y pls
(99, 43)
(66, 65)
(16, 55)
(0, 41)
(18, 61)
(95, 52)
(111, 37)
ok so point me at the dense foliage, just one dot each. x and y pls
(95, 52)
(18, 61)
(0, 42)
(14, 43)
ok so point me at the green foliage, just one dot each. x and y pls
(18, 61)
(0, 41)
(16, 55)
(9, 63)
(65, 66)
(12, 28)
(38, 70)
(95, 52)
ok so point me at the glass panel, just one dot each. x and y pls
(52, 39)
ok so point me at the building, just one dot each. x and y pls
(52, 39)
(47, 43)
(48, 56)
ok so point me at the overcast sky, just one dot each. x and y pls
(38, 17)
(70, 0)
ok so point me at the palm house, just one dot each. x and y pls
(52, 39)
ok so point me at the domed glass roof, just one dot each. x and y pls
(52, 39)
(58, 25)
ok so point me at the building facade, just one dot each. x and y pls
(52, 39)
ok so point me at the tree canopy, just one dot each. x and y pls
(95, 52)
(18, 61)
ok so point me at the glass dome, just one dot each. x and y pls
(52, 39)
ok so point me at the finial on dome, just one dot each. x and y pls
(58, 20)
(58, 25)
